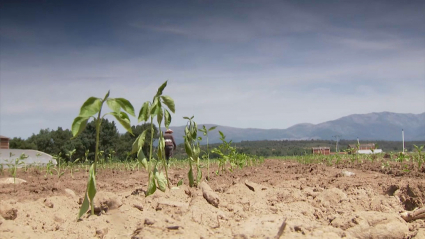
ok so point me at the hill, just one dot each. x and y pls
(373, 126)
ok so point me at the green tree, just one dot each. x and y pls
(42, 140)
(61, 141)
(109, 138)
(18, 143)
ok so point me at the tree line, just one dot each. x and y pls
(269, 148)
(118, 146)
(112, 144)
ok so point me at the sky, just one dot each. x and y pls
(247, 64)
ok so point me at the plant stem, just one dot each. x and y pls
(208, 157)
(150, 148)
(92, 207)
(164, 162)
(98, 123)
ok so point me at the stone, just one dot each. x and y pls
(11, 181)
(209, 195)
(70, 192)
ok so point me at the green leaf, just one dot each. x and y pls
(199, 175)
(167, 119)
(194, 131)
(212, 128)
(161, 146)
(203, 130)
(160, 116)
(180, 183)
(160, 152)
(187, 148)
(78, 125)
(144, 163)
(140, 154)
(113, 105)
(124, 120)
(106, 96)
(153, 106)
(135, 147)
(161, 141)
(169, 102)
(186, 118)
(196, 151)
(90, 107)
(190, 175)
(151, 185)
(156, 107)
(126, 105)
(161, 88)
(144, 113)
(91, 190)
(187, 133)
(162, 182)
(84, 207)
(142, 139)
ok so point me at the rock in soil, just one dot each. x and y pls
(209, 195)
(8, 213)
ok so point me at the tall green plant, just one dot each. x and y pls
(419, 155)
(13, 165)
(225, 151)
(205, 131)
(191, 146)
(160, 108)
(89, 109)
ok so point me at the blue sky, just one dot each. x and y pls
(248, 64)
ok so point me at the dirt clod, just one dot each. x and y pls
(48, 203)
(9, 213)
(100, 233)
(209, 195)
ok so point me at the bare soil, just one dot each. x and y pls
(314, 201)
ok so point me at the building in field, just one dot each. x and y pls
(321, 150)
(4, 142)
(364, 149)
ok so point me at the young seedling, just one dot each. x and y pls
(191, 145)
(225, 151)
(59, 159)
(110, 155)
(71, 167)
(13, 165)
(89, 109)
(86, 156)
(419, 155)
(150, 110)
(49, 167)
(385, 165)
(205, 131)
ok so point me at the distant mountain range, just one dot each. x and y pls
(373, 126)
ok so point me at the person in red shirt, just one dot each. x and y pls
(170, 144)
